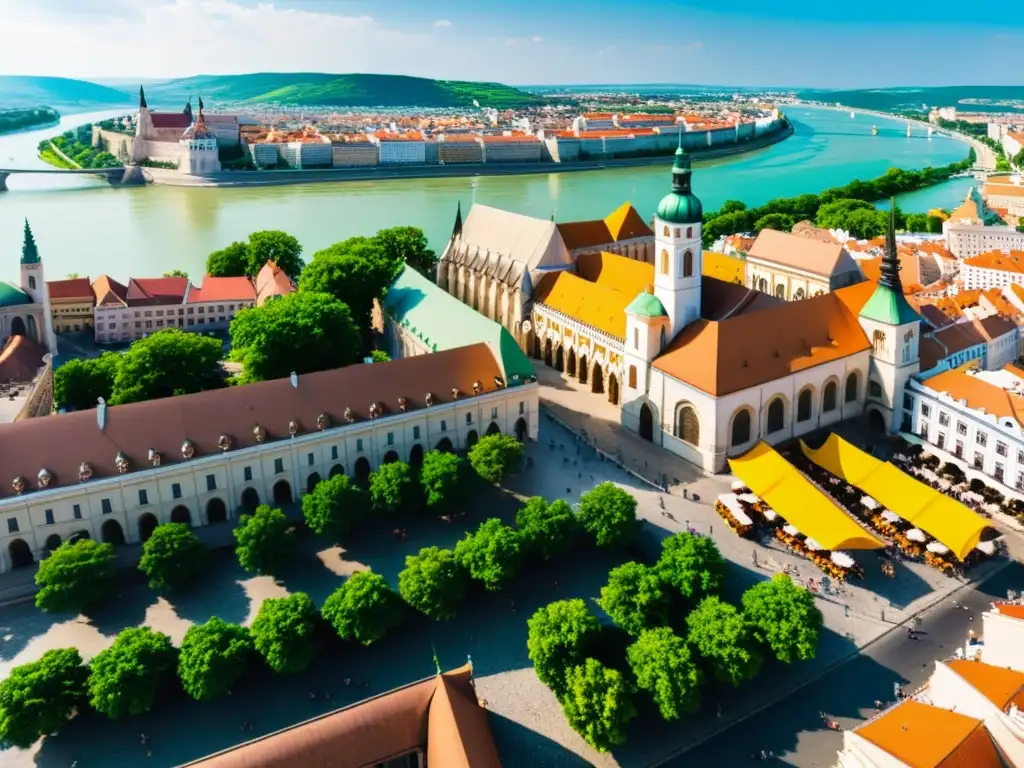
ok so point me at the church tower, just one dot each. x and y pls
(33, 282)
(143, 129)
(893, 327)
(677, 248)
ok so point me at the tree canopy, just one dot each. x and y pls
(692, 565)
(598, 703)
(364, 608)
(433, 582)
(80, 382)
(335, 506)
(74, 576)
(172, 557)
(782, 222)
(264, 540)
(443, 478)
(213, 657)
(608, 513)
(723, 638)
(408, 245)
(284, 632)
(559, 636)
(170, 362)
(494, 456)
(548, 530)
(664, 667)
(302, 333)
(634, 598)
(492, 554)
(37, 698)
(246, 259)
(231, 261)
(784, 618)
(125, 677)
(392, 488)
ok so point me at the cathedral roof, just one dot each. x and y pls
(681, 206)
(624, 223)
(888, 305)
(800, 252)
(646, 305)
(12, 296)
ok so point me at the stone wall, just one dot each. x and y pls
(117, 144)
(40, 400)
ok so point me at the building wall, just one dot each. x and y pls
(133, 323)
(117, 144)
(1004, 639)
(212, 315)
(783, 282)
(494, 299)
(314, 154)
(71, 315)
(983, 278)
(462, 151)
(402, 153)
(594, 351)
(264, 153)
(355, 155)
(512, 152)
(965, 241)
(199, 157)
(1014, 204)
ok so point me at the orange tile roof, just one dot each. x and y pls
(993, 189)
(1012, 610)
(272, 281)
(647, 117)
(625, 223)
(804, 253)
(222, 289)
(510, 139)
(978, 394)
(1012, 261)
(616, 133)
(75, 288)
(622, 274)
(727, 268)
(922, 736)
(1003, 687)
(968, 210)
(109, 292)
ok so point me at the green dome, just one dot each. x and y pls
(676, 208)
(646, 305)
(12, 296)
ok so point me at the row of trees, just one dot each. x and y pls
(19, 119)
(717, 640)
(83, 155)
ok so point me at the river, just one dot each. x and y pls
(86, 226)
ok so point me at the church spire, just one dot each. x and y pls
(890, 261)
(681, 171)
(142, 98)
(188, 109)
(29, 252)
(457, 229)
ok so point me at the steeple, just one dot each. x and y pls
(887, 304)
(457, 229)
(142, 98)
(188, 109)
(29, 252)
(891, 262)
(681, 171)
(200, 105)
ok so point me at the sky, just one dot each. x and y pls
(792, 43)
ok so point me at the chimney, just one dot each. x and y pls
(294, 379)
(101, 413)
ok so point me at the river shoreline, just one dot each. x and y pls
(236, 179)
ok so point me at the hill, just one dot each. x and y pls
(357, 90)
(27, 118)
(60, 92)
(969, 98)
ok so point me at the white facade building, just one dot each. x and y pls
(402, 151)
(996, 268)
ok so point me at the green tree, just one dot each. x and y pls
(172, 557)
(634, 598)
(548, 530)
(917, 222)
(494, 456)
(732, 206)
(335, 506)
(664, 667)
(213, 657)
(74, 576)
(608, 514)
(722, 636)
(781, 222)
(433, 582)
(492, 554)
(170, 362)
(392, 488)
(37, 698)
(176, 273)
(835, 215)
(265, 540)
(784, 618)
(276, 246)
(866, 225)
(300, 333)
(284, 632)
(232, 261)
(364, 608)
(380, 356)
(559, 635)
(125, 677)
(79, 383)
(692, 565)
(408, 245)
(935, 225)
(443, 478)
(598, 703)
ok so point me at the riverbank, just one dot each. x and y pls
(28, 119)
(172, 178)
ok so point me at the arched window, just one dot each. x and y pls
(851, 387)
(632, 377)
(740, 428)
(780, 291)
(874, 389)
(799, 294)
(666, 230)
(32, 282)
(687, 424)
(828, 399)
(762, 285)
(677, 231)
(776, 416)
(688, 264)
(664, 262)
(664, 338)
(689, 233)
(878, 342)
(803, 406)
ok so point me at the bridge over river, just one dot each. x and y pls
(113, 175)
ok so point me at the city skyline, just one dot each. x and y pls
(799, 44)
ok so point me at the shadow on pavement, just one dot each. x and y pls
(537, 750)
(217, 592)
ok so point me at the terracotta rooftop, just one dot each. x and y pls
(147, 291)
(272, 281)
(221, 289)
(947, 341)
(1003, 687)
(624, 223)
(74, 288)
(803, 253)
(1012, 261)
(170, 120)
(806, 229)
(164, 424)
(109, 292)
(1013, 610)
(728, 268)
(979, 394)
(995, 189)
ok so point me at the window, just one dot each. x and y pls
(149, 323)
(12, 525)
(247, 474)
(979, 460)
(1020, 481)
(1001, 448)
(688, 264)
(143, 497)
(636, 338)
(444, 425)
(334, 453)
(310, 459)
(780, 291)
(105, 507)
(632, 377)
(926, 411)
(391, 438)
(175, 490)
(981, 438)
(522, 407)
(874, 389)
(943, 418)
(961, 428)
(48, 514)
(76, 510)
(1020, 457)
(999, 472)
(878, 342)
(494, 412)
(677, 231)
(664, 262)
(687, 424)
(740, 428)
(803, 406)
(941, 441)
(689, 233)
(211, 482)
(31, 282)
(278, 466)
(828, 399)
(908, 402)
(776, 415)
(416, 432)
(359, 445)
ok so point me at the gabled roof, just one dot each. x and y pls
(1003, 687)
(73, 288)
(109, 292)
(1004, 261)
(21, 359)
(980, 395)
(170, 120)
(947, 341)
(145, 291)
(803, 253)
(491, 234)
(272, 281)
(624, 223)
(619, 273)
(221, 289)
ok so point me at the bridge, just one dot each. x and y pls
(113, 175)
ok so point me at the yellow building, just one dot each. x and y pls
(71, 304)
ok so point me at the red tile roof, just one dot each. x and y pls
(109, 292)
(222, 289)
(73, 288)
(145, 291)
(170, 120)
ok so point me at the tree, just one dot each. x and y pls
(380, 356)
(265, 540)
(634, 598)
(732, 206)
(232, 261)
(492, 554)
(865, 225)
(784, 618)
(433, 582)
(723, 638)
(917, 222)
(172, 557)
(364, 608)
(834, 215)
(408, 245)
(168, 363)
(74, 576)
(276, 246)
(79, 383)
(37, 698)
(691, 564)
(284, 632)
(300, 333)
(664, 667)
(494, 456)
(548, 530)
(598, 703)
(392, 488)
(558, 637)
(778, 221)
(126, 676)
(176, 273)
(335, 506)
(443, 479)
(213, 657)
(608, 514)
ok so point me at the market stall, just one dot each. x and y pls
(729, 509)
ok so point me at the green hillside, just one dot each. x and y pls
(308, 89)
(59, 92)
(968, 98)
(29, 117)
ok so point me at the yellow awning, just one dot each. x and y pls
(798, 501)
(935, 513)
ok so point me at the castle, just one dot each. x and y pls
(175, 137)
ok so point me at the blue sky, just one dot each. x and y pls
(738, 42)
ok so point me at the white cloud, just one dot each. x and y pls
(537, 39)
(442, 24)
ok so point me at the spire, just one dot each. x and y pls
(457, 229)
(142, 98)
(890, 261)
(200, 105)
(29, 252)
(188, 109)
(681, 170)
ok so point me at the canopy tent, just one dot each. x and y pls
(943, 518)
(798, 501)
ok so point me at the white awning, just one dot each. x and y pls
(738, 486)
(916, 534)
(842, 559)
(730, 502)
(791, 530)
(770, 514)
(986, 547)
(891, 517)
(812, 544)
(938, 548)
(749, 498)
(870, 503)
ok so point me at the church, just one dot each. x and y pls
(175, 137)
(25, 308)
(703, 367)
